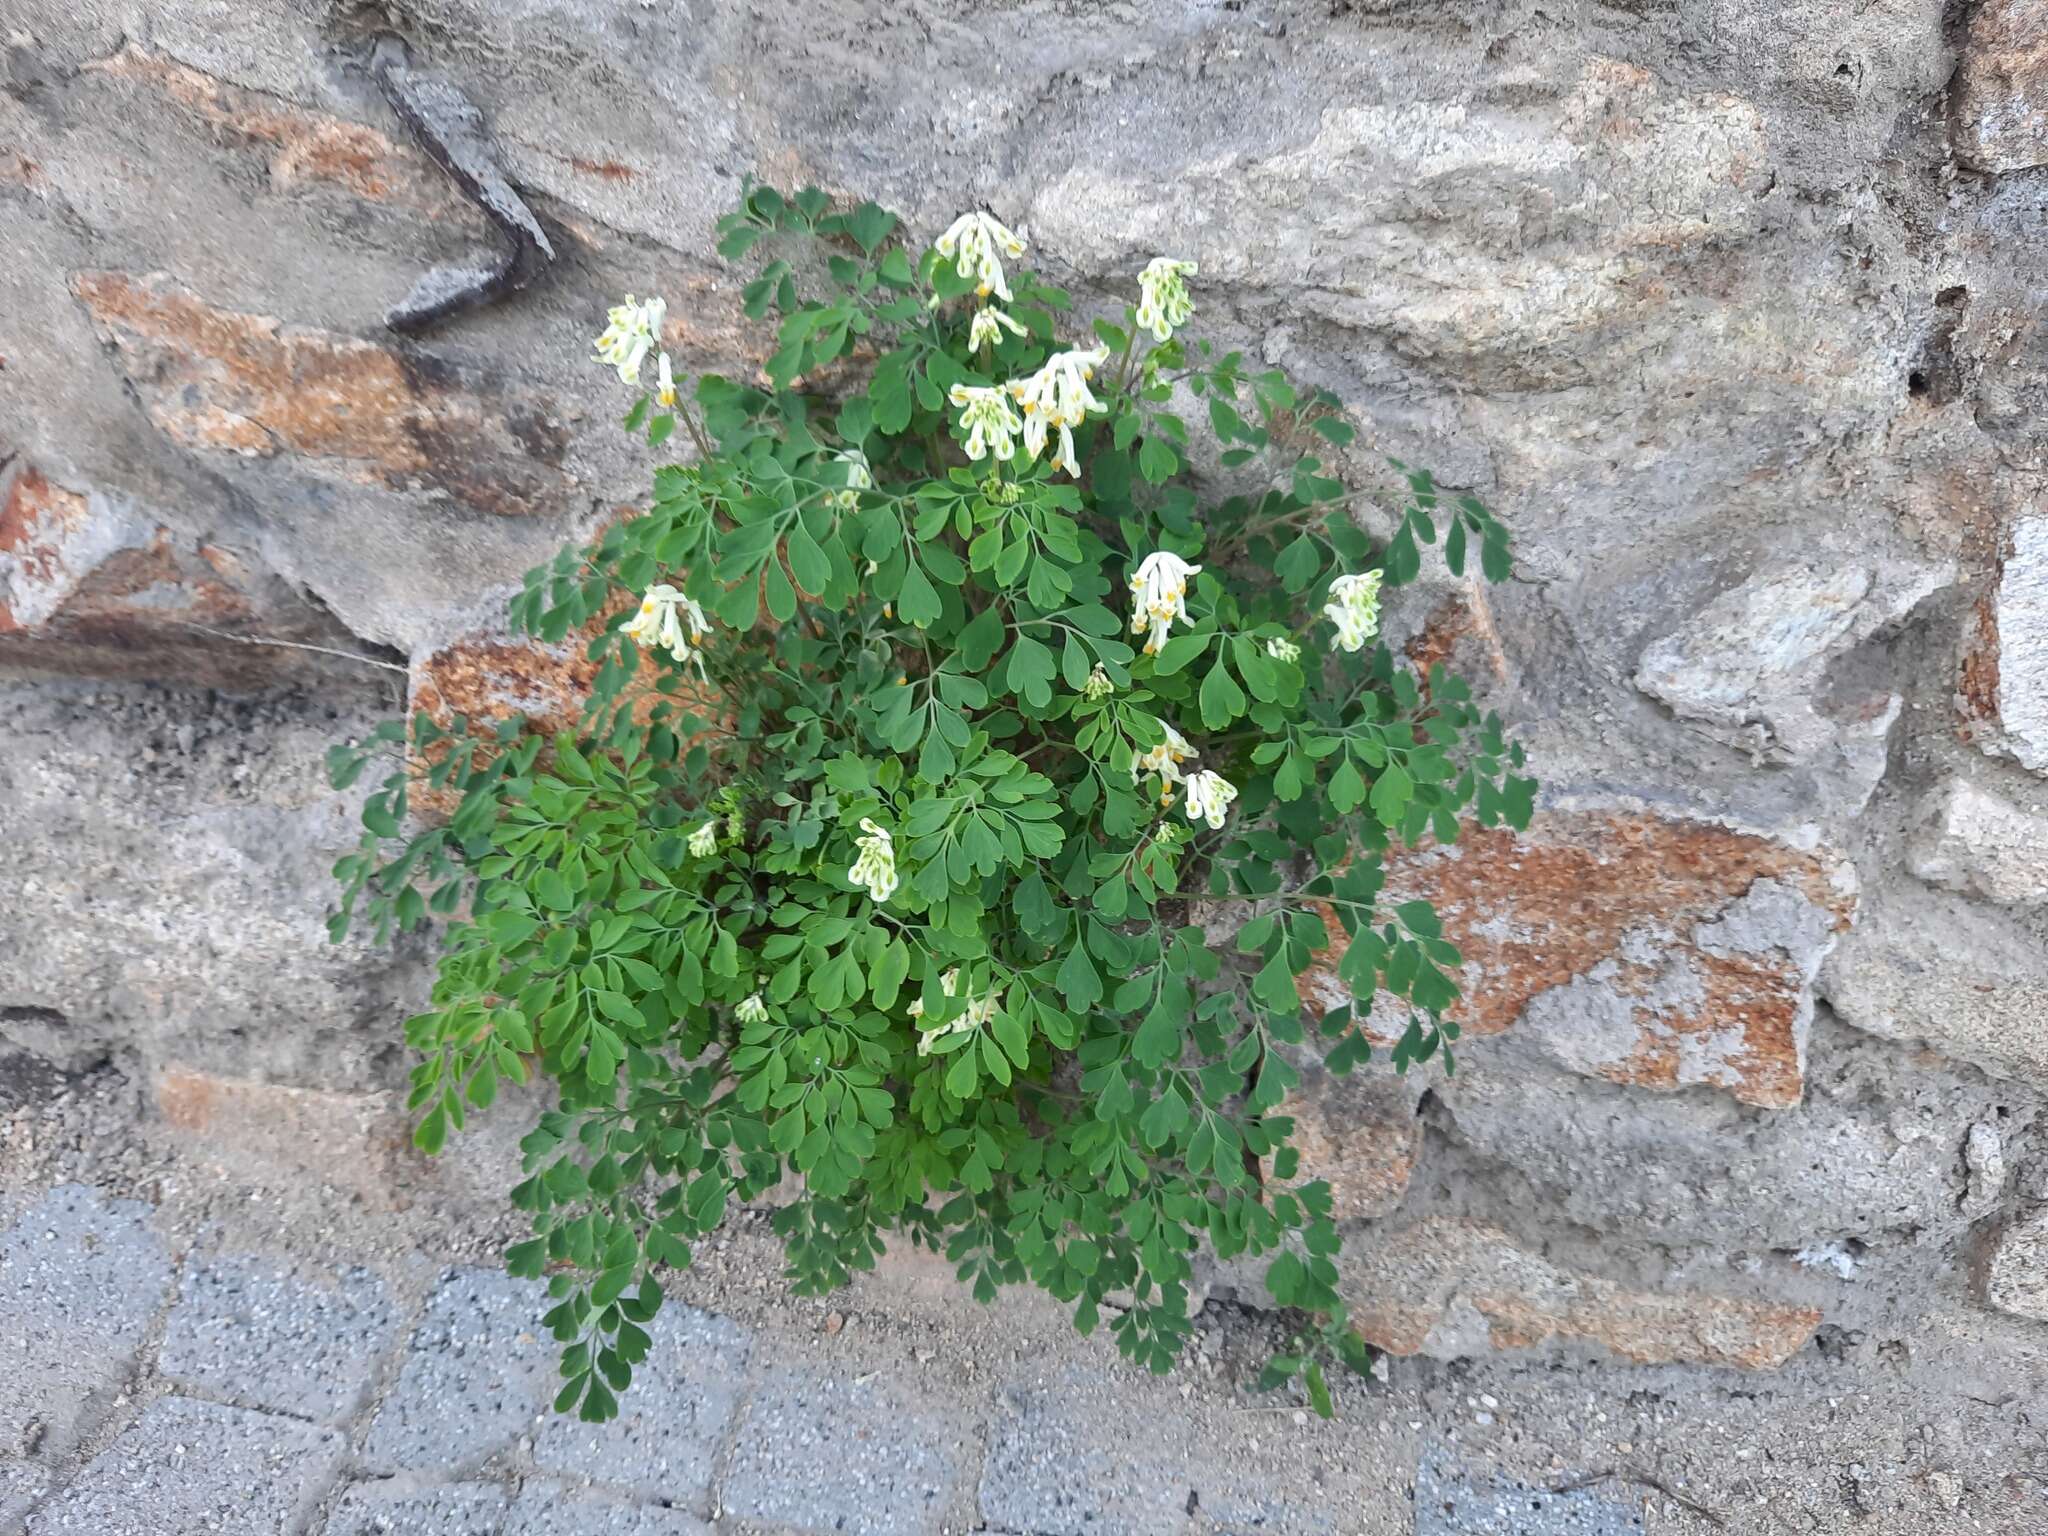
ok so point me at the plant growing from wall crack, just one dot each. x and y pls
(959, 799)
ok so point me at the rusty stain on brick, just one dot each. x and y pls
(1977, 679)
(1619, 909)
(247, 384)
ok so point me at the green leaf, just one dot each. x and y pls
(1077, 980)
(918, 603)
(1221, 699)
(1391, 792)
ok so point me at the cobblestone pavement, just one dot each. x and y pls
(157, 1394)
(159, 1384)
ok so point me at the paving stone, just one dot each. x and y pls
(81, 1277)
(479, 1373)
(1063, 1461)
(255, 1332)
(1453, 1501)
(21, 1484)
(546, 1509)
(671, 1420)
(385, 1509)
(187, 1467)
(830, 1454)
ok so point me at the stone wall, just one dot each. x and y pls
(1733, 310)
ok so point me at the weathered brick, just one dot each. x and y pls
(2017, 1281)
(479, 1374)
(255, 1332)
(189, 1466)
(1646, 951)
(823, 1453)
(272, 1133)
(81, 1279)
(1447, 1287)
(2002, 689)
(670, 1425)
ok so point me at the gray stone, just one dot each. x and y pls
(1451, 1500)
(1972, 840)
(1063, 1460)
(2018, 1278)
(83, 1277)
(249, 1330)
(187, 1466)
(477, 1376)
(672, 1419)
(547, 1509)
(823, 1453)
(454, 1509)
(2018, 648)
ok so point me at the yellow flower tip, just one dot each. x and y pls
(888, 610)
(981, 290)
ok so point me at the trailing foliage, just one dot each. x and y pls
(958, 803)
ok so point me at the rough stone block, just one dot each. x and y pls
(1448, 1288)
(1064, 1460)
(251, 1331)
(2018, 1278)
(1451, 1500)
(545, 1509)
(82, 1278)
(1648, 952)
(2001, 89)
(455, 1509)
(670, 1423)
(1749, 666)
(191, 1466)
(274, 1133)
(822, 1453)
(1972, 840)
(2003, 689)
(479, 1374)
(1359, 1134)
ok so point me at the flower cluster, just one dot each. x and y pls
(669, 621)
(976, 244)
(1354, 607)
(977, 1014)
(985, 412)
(704, 841)
(860, 476)
(1159, 597)
(988, 326)
(1163, 302)
(1058, 396)
(875, 869)
(635, 330)
(1164, 759)
(751, 1009)
(1209, 797)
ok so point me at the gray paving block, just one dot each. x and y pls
(253, 1331)
(823, 1453)
(453, 1509)
(1451, 1500)
(546, 1509)
(478, 1373)
(1063, 1461)
(671, 1420)
(81, 1278)
(188, 1467)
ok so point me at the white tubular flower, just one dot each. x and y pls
(1057, 397)
(664, 384)
(1159, 597)
(975, 245)
(632, 334)
(1164, 759)
(988, 327)
(985, 413)
(860, 476)
(1354, 607)
(1163, 302)
(752, 1010)
(1280, 648)
(875, 869)
(1209, 797)
(704, 841)
(669, 621)
(979, 1011)
(1098, 686)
